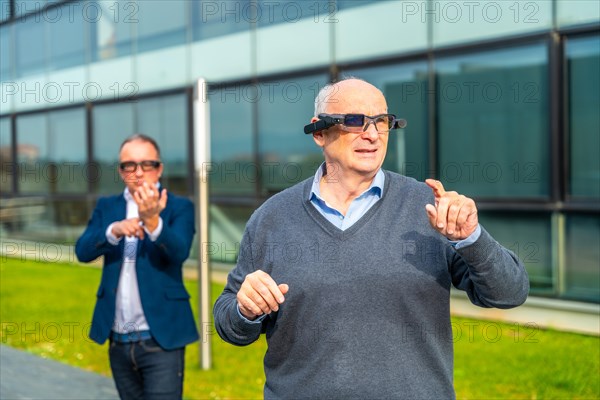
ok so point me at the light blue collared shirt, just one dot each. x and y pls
(358, 207)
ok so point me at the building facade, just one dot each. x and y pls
(502, 100)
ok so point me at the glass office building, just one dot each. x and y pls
(502, 100)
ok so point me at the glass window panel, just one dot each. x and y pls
(66, 38)
(4, 9)
(30, 48)
(269, 12)
(161, 23)
(456, 22)
(51, 152)
(213, 19)
(574, 12)
(68, 149)
(343, 4)
(493, 123)
(113, 123)
(41, 219)
(390, 31)
(287, 155)
(293, 19)
(111, 23)
(166, 120)
(23, 7)
(33, 154)
(405, 88)
(6, 170)
(233, 171)
(226, 228)
(5, 53)
(582, 273)
(529, 237)
(584, 119)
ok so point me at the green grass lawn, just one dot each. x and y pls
(46, 309)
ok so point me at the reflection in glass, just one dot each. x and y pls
(344, 4)
(493, 123)
(111, 23)
(44, 220)
(289, 11)
(6, 38)
(225, 231)
(529, 237)
(165, 119)
(112, 124)
(30, 47)
(33, 154)
(583, 57)
(4, 9)
(214, 19)
(51, 152)
(233, 170)
(160, 23)
(583, 258)
(68, 147)
(23, 7)
(6, 167)
(287, 155)
(405, 89)
(66, 39)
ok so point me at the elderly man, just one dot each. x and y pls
(142, 307)
(349, 273)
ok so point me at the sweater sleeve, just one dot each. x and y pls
(230, 325)
(491, 275)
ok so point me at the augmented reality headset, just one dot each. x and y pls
(356, 122)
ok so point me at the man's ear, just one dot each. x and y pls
(318, 136)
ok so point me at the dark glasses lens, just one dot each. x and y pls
(354, 120)
(131, 166)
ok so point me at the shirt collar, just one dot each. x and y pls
(376, 186)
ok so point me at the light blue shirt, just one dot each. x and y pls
(358, 207)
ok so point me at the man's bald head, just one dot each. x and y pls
(339, 97)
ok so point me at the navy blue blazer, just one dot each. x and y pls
(159, 271)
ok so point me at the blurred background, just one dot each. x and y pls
(502, 101)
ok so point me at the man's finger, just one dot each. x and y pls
(284, 288)
(436, 186)
(273, 289)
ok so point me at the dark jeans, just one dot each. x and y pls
(143, 370)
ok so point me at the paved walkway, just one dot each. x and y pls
(25, 376)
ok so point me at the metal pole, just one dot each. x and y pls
(202, 166)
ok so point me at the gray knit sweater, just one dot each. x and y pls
(367, 314)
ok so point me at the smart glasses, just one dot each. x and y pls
(356, 122)
(132, 166)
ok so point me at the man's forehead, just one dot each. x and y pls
(138, 146)
(356, 99)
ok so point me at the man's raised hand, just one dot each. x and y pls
(453, 215)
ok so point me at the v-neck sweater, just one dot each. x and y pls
(367, 315)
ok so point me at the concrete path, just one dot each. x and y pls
(25, 376)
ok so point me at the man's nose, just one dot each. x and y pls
(138, 170)
(370, 133)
